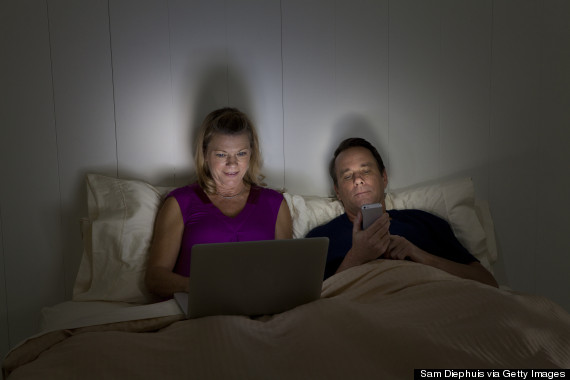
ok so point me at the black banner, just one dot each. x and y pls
(461, 374)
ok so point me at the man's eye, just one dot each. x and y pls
(347, 177)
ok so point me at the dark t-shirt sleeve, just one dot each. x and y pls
(339, 232)
(430, 233)
(427, 231)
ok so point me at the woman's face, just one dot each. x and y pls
(227, 157)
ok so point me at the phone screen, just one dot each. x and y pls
(370, 213)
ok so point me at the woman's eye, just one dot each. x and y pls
(220, 155)
(242, 154)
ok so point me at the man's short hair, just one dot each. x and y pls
(351, 143)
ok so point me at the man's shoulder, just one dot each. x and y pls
(326, 229)
(411, 213)
(419, 218)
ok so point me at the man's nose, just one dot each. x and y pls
(358, 179)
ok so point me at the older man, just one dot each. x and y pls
(360, 178)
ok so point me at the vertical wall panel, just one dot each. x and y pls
(552, 179)
(29, 193)
(514, 133)
(465, 90)
(226, 54)
(254, 75)
(84, 111)
(142, 82)
(415, 75)
(361, 73)
(4, 326)
(199, 73)
(309, 90)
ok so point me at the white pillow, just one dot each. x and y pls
(118, 231)
(310, 212)
(453, 201)
(116, 239)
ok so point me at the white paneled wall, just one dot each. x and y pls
(515, 129)
(415, 78)
(142, 89)
(551, 179)
(84, 112)
(255, 82)
(30, 189)
(308, 92)
(465, 89)
(444, 88)
(199, 72)
(4, 327)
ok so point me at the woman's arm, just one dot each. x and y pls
(284, 224)
(164, 249)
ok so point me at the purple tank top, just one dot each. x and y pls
(205, 223)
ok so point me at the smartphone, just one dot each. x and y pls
(370, 213)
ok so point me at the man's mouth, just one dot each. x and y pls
(361, 193)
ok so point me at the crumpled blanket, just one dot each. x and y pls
(379, 320)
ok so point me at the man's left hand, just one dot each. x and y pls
(401, 249)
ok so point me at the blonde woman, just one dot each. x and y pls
(226, 204)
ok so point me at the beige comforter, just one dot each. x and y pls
(379, 320)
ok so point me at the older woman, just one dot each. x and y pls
(226, 204)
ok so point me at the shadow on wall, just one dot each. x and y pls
(352, 125)
(218, 85)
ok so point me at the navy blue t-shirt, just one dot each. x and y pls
(424, 230)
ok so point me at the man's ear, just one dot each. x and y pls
(385, 178)
(336, 192)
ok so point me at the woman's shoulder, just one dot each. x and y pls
(187, 192)
(267, 193)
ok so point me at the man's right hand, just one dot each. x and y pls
(368, 244)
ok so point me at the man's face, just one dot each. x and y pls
(359, 180)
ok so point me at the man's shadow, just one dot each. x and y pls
(354, 125)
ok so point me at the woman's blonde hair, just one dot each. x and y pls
(226, 121)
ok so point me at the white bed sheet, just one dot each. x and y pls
(72, 314)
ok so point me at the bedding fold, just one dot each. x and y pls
(378, 320)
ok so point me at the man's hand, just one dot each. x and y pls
(368, 244)
(401, 249)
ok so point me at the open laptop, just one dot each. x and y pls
(254, 278)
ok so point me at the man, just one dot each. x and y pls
(360, 178)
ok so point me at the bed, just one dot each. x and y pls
(379, 320)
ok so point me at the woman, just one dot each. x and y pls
(225, 204)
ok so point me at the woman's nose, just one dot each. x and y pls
(232, 159)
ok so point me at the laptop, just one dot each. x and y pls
(254, 278)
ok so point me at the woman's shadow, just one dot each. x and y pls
(218, 85)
